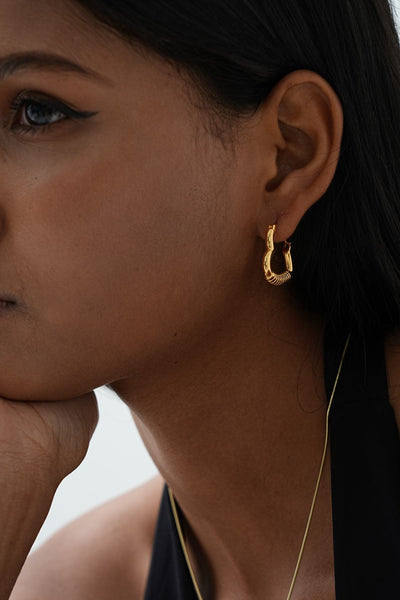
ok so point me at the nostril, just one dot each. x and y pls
(5, 303)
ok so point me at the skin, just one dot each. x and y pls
(132, 241)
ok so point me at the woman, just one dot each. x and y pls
(149, 151)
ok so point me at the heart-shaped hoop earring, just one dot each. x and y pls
(270, 276)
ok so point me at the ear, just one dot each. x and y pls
(303, 121)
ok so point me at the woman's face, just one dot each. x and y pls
(125, 226)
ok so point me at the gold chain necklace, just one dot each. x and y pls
(176, 517)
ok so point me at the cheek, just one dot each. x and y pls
(114, 261)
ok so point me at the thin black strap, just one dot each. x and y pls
(365, 466)
(169, 578)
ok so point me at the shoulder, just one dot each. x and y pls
(104, 554)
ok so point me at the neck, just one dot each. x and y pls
(237, 430)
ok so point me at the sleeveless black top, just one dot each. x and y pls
(365, 475)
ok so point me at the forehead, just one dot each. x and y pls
(63, 27)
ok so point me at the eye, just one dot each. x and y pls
(38, 115)
(32, 114)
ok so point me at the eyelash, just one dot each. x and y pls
(49, 105)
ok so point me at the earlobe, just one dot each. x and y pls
(308, 123)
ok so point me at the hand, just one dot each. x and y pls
(40, 443)
(45, 440)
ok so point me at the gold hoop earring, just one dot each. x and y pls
(270, 276)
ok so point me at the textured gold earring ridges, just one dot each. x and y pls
(270, 276)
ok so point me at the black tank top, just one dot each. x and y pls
(365, 475)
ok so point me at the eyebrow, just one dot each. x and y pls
(43, 61)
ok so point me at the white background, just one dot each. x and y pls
(116, 460)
